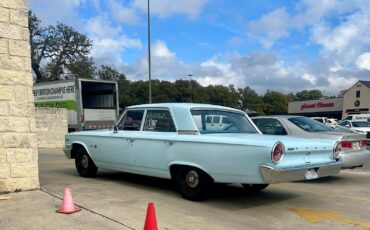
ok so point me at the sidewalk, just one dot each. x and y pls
(36, 210)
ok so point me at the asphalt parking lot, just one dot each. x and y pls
(115, 200)
(337, 202)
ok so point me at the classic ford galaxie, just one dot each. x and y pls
(183, 142)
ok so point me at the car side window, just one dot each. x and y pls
(270, 126)
(132, 120)
(159, 121)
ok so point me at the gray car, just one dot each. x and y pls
(354, 152)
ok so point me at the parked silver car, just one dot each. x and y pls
(357, 126)
(353, 154)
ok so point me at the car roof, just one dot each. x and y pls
(182, 106)
(181, 112)
(276, 116)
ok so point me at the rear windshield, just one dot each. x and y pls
(231, 122)
(360, 124)
(310, 125)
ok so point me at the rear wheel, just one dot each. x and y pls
(193, 183)
(254, 188)
(84, 164)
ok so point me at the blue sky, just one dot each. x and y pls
(285, 46)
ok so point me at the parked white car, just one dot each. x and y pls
(331, 122)
(357, 117)
(359, 126)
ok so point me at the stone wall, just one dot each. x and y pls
(51, 127)
(18, 140)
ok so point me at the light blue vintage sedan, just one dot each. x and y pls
(197, 145)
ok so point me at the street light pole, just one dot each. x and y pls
(190, 85)
(149, 61)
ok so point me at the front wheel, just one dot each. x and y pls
(193, 183)
(254, 188)
(84, 164)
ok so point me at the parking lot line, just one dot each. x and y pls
(316, 216)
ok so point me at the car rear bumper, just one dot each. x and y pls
(67, 151)
(273, 175)
(352, 160)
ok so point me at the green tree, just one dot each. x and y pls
(275, 103)
(84, 68)
(249, 99)
(109, 73)
(65, 47)
(308, 95)
(62, 45)
(39, 41)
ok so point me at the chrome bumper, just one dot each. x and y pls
(352, 160)
(273, 175)
(67, 151)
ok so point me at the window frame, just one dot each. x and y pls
(158, 109)
(276, 120)
(124, 114)
(358, 94)
(253, 126)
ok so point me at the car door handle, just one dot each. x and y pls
(131, 140)
(169, 142)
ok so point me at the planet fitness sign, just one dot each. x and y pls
(312, 106)
(317, 105)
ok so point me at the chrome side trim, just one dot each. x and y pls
(188, 132)
(273, 175)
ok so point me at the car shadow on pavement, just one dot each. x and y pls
(223, 196)
(220, 194)
(322, 180)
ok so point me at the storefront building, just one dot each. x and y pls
(331, 107)
(355, 100)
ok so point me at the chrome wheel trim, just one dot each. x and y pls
(84, 161)
(192, 179)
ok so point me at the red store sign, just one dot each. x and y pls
(317, 105)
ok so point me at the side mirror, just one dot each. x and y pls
(115, 128)
(347, 126)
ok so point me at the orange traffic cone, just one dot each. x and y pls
(68, 205)
(151, 219)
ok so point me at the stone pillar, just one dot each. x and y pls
(18, 141)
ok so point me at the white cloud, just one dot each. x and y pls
(110, 51)
(123, 14)
(110, 43)
(166, 8)
(310, 78)
(98, 27)
(363, 61)
(160, 49)
(339, 83)
(336, 39)
(270, 27)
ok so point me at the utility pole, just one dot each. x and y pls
(149, 61)
(190, 86)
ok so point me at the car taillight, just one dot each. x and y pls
(337, 149)
(277, 152)
(346, 144)
(363, 143)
